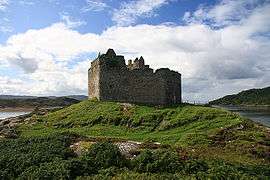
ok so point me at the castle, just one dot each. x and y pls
(110, 79)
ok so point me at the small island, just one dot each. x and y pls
(109, 137)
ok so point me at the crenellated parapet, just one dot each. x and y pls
(137, 64)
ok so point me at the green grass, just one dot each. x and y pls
(197, 129)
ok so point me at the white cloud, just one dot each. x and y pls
(71, 23)
(226, 12)
(58, 41)
(3, 4)
(213, 62)
(9, 85)
(94, 5)
(59, 79)
(129, 12)
(27, 2)
(5, 29)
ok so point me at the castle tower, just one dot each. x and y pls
(130, 65)
(110, 79)
(110, 53)
(136, 64)
(141, 63)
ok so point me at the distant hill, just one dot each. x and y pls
(9, 101)
(248, 97)
(16, 97)
(78, 97)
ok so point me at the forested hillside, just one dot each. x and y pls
(248, 97)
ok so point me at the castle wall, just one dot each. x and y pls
(94, 80)
(136, 86)
(111, 80)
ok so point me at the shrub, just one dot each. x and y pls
(57, 169)
(104, 155)
(193, 166)
(18, 155)
(78, 167)
(157, 161)
(147, 176)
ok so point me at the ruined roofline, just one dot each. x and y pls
(111, 54)
(166, 70)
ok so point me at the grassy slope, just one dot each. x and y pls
(249, 97)
(201, 131)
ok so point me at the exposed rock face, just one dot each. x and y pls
(8, 125)
(110, 79)
(129, 149)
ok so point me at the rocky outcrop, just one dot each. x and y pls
(8, 125)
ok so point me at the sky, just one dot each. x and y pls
(219, 46)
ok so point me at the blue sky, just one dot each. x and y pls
(23, 15)
(219, 46)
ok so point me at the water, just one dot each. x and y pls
(4, 115)
(257, 114)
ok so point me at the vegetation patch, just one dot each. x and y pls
(52, 158)
(172, 142)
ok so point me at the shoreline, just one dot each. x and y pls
(245, 107)
(258, 114)
(16, 109)
(241, 105)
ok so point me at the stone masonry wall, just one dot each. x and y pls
(111, 80)
(93, 79)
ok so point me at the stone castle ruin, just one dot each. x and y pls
(110, 79)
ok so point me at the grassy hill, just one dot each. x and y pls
(176, 142)
(248, 97)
